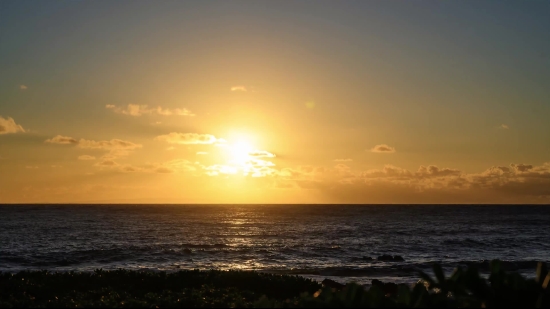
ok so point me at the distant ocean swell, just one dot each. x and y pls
(339, 241)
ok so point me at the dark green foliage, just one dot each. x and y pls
(123, 288)
(465, 288)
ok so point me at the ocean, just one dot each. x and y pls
(341, 242)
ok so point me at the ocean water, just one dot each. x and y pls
(317, 241)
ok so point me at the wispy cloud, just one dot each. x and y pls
(178, 165)
(343, 160)
(261, 154)
(129, 169)
(174, 166)
(504, 127)
(114, 144)
(23, 87)
(108, 163)
(115, 147)
(189, 138)
(163, 170)
(383, 148)
(62, 140)
(202, 153)
(139, 110)
(86, 158)
(9, 126)
(238, 88)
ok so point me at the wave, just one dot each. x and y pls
(505, 265)
(462, 242)
(204, 246)
(350, 271)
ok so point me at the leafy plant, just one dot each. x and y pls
(464, 288)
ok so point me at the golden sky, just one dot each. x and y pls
(274, 102)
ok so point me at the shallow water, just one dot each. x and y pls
(313, 240)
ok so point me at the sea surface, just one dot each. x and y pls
(317, 241)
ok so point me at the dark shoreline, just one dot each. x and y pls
(214, 288)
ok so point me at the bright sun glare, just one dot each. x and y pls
(240, 151)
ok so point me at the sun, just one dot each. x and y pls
(240, 151)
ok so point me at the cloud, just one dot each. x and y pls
(189, 138)
(434, 171)
(113, 165)
(258, 163)
(62, 140)
(343, 160)
(342, 168)
(8, 126)
(139, 110)
(215, 170)
(116, 147)
(131, 109)
(163, 170)
(504, 127)
(383, 148)
(251, 168)
(516, 183)
(107, 163)
(238, 88)
(174, 166)
(524, 179)
(176, 111)
(389, 171)
(23, 87)
(86, 158)
(114, 144)
(202, 153)
(522, 167)
(129, 169)
(261, 154)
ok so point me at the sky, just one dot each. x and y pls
(274, 101)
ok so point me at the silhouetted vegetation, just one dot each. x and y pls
(465, 288)
(123, 288)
